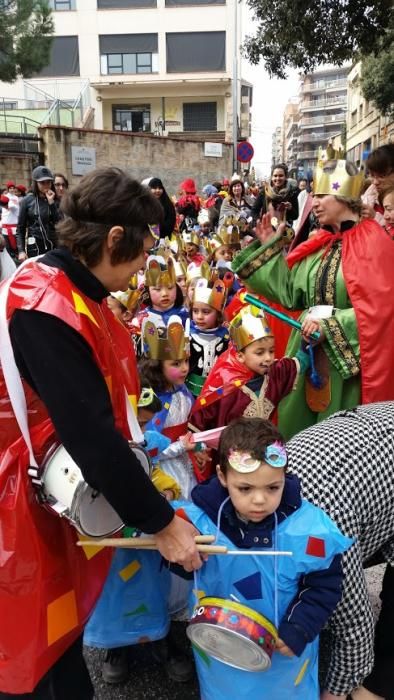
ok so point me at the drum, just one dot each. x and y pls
(233, 633)
(64, 491)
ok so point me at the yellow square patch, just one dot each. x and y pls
(202, 402)
(130, 570)
(237, 382)
(167, 405)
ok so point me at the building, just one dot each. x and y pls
(277, 145)
(291, 119)
(143, 66)
(323, 102)
(366, 127)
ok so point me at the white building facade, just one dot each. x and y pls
(149, 66)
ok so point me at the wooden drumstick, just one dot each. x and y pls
(202, 542)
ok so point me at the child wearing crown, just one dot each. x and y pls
(224, 244)
(162, 294)
(267, 610)
(192, 242)
(209, 338)
(247, 380)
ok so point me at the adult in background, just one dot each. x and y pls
(237, 204)
(340, 277)
(38, 216)
(345, 465)
(282, 194)
(79, 376)
(169, 216)
(380, 164)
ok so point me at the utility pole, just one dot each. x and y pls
(235, 87)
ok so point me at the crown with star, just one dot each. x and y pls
(212, 292)
(170, 342)
(248, 325)
(338, 177)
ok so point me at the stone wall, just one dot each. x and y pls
(17, 168)
(140, 155)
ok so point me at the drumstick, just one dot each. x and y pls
(149, 543)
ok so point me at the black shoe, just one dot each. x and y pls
(179, 668)
(115, 668)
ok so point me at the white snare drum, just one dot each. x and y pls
(64, 491)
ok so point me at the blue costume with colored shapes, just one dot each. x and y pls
(300, 591)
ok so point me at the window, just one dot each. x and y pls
(121, 4)
(192, 52)
(353, 118)
(64, 58)
(8, 105)
(199, 116)
(128, 53)
(176, 3)
(62, 5)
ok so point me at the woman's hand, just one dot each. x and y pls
(176, 543)
(367, 212)
(50, 195)
(187, 442)
(22, 256)
(264, 230)
(283, 648)
(326, 695)
(309, 326)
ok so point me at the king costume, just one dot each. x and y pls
(347, 276)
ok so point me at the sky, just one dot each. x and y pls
(269, 100)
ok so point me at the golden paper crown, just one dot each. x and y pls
(180, 266)
(239, 222)
(195, 271)
(227, 235)
(213, 293)
(130, 297)
(171, 342)
(159, 272)
(248, 325)
(334, 177)
(191, 237)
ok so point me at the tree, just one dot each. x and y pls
(303, 35)
(377, 78)
(26, 29)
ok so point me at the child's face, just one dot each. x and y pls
(223, 253)
(181, 281)
(256, 495)
(144, 415)
(205, 228)
(190, 289)
(116, 307)
(175, 371)
(388, 206)
(259, 355)
(163, 298)
(204, 316)
(191, 250)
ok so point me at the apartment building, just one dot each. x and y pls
(148, 66)
(277, 145)
(366, 127)
(323, 102)
(290, 129)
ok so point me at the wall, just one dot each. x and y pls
(140, 155)
(16, 168)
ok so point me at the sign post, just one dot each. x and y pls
(245, 152)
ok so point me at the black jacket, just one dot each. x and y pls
(37, 218)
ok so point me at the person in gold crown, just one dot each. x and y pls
(246, 380)
(163, 294)
(341, 277)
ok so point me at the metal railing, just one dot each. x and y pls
(329, 102)
(323, 119)
(308, 154)
(324, 85)
(321, 138)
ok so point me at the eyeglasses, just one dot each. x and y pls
(60, 184)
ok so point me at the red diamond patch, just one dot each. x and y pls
(316, 547)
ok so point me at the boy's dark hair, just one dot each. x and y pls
(381, 160)
(151, 374)
(178, 299)
(252, 435)
(105, 198)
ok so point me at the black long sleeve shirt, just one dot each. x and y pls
(58, 364)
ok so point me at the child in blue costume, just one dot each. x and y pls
(133, 606)
(162, 295)
(253, 503)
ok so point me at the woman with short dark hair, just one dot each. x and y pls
(80, 383)
(237, 205)
(169, 216)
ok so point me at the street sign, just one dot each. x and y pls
(83, 160)
(245, 152)
(214, 150)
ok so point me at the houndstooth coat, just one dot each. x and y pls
(346, 467)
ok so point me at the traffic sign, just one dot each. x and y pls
(245, 152)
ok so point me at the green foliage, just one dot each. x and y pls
(377, 76)
(305, 34)
(26, 29)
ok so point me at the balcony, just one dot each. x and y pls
(321, 85)
(307, 122)
(308, 154)
(317, 138)
(331, 102)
